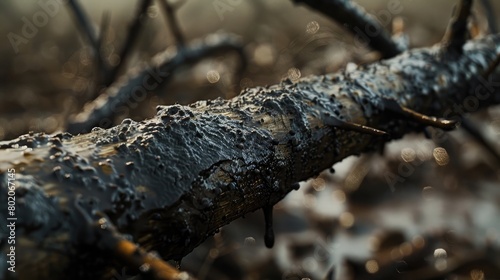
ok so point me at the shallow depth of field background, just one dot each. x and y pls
(430, 206)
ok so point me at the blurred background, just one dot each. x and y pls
(422, 209)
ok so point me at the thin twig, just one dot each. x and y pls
(84, 23)
(457, 30)
(473, 131)
(128, 253)
(358, 22)
(89, 32)
(172, 22)
(490, 16)
(105, 21)
(457, 36)
(132, 35)
(102, 110)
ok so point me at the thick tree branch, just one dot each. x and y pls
(172, 181)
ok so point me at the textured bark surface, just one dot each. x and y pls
(172, 181)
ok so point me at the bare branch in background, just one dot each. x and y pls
(105, 21)
(132, 35)
(490, 15)
(473, 131)
(357, 21)
(84, 23)
(171, 18)
(457, 32)
(134, 87)
(106, 72)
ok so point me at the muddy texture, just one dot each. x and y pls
(171, 181)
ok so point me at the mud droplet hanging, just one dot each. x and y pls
(268, 218)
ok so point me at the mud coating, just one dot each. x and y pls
(169, 182)
(268, 220)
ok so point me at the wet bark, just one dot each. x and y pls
(171, 181)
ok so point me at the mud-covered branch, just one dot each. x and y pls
(171, 181)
